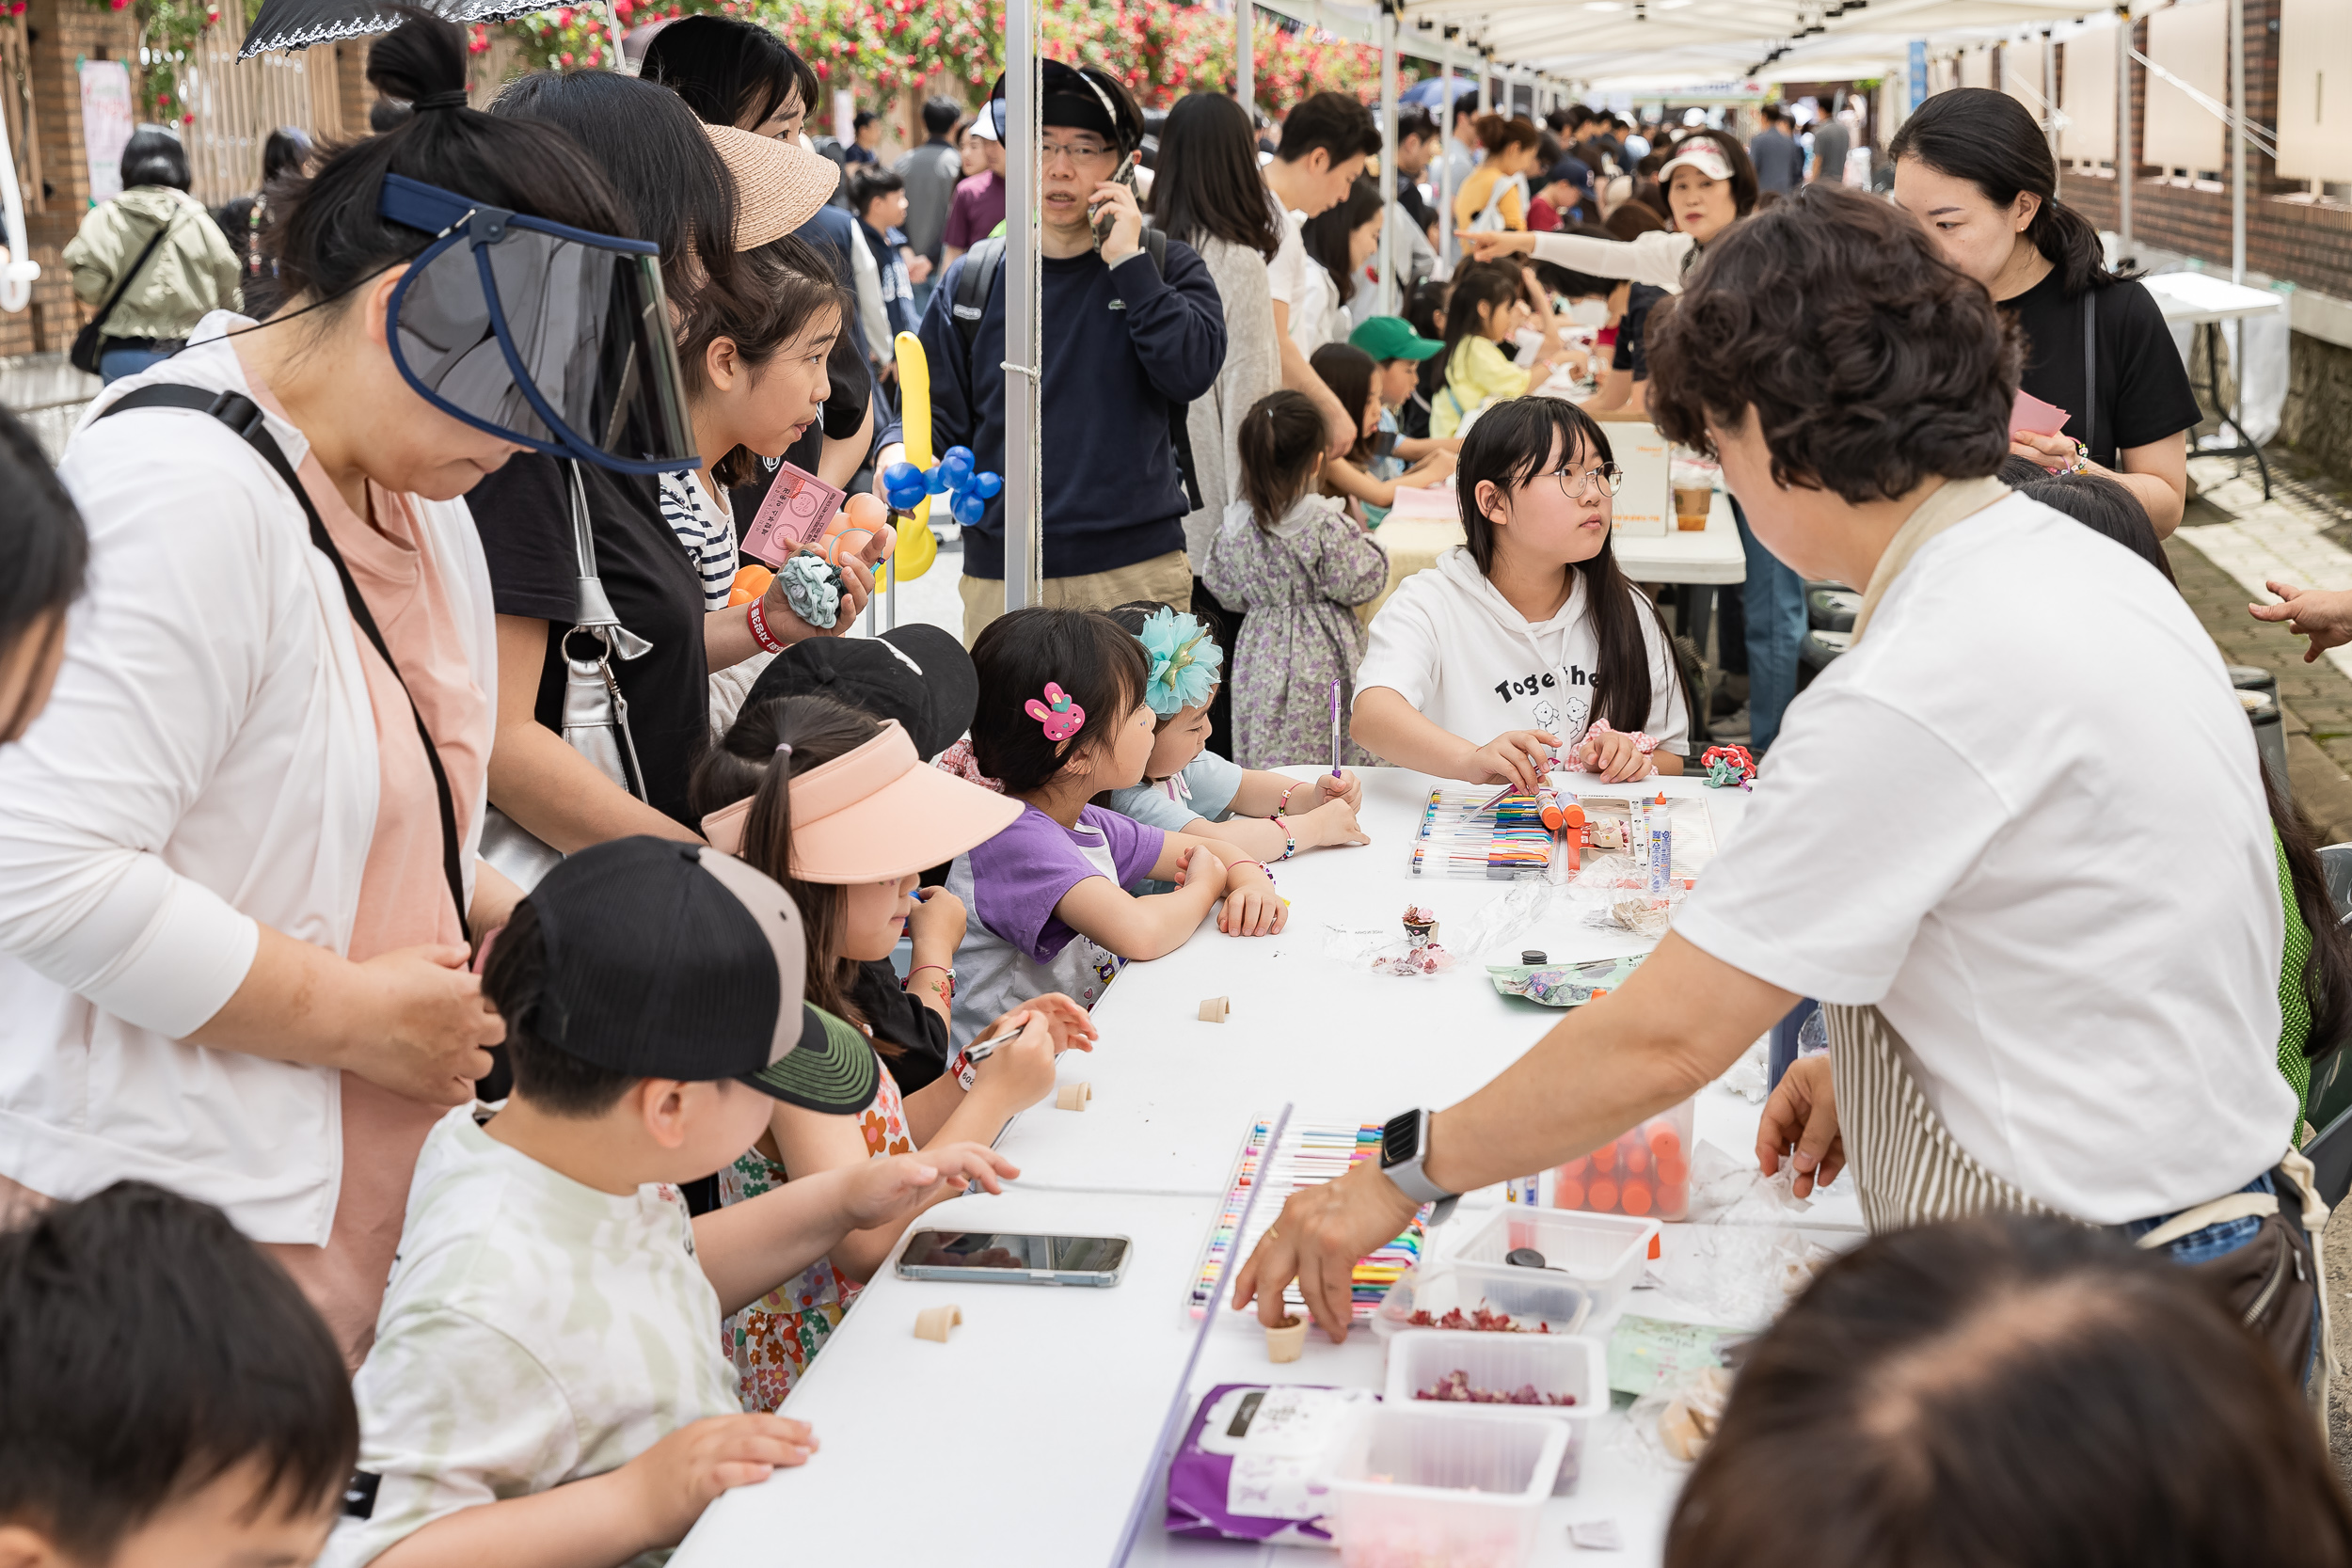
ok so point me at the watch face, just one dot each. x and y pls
(1400, 1138)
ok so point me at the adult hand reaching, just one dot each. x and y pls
(2322, 615)
(429, 1028)
(1487, 243)
(1317, 1239)
(1804, 1112)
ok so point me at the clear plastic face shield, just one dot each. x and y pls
(542, 334)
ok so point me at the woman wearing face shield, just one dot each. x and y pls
(238, 855)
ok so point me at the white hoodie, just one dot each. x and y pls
(1451, 645)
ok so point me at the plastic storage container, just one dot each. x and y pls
(1534, 1299)
(1601, 1253)
(1413, 1485)
(1644, 1174)
(1552, 1364)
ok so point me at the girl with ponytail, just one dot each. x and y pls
(837, 807)
(1976, 170)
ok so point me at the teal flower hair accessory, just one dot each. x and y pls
(1184, 663)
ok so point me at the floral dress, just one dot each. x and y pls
(773, 1339)
(1296, 584)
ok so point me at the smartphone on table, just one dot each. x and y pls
(1002, 1257)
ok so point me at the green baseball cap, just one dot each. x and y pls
(1386, 337)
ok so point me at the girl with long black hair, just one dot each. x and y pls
(1975, 171)
(1528, 633)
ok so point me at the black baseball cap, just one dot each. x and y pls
(918, 674)
(673, 961)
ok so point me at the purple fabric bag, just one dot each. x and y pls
(1247, 1468)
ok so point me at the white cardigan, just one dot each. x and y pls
(208, 762)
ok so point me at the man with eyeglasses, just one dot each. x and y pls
(1133, 331)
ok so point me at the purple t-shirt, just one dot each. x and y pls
(978, 207)
(1018, 948)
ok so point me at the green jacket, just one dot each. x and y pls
(192, 272)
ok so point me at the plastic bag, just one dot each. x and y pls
(1379, 952)
(1504, 922)
(1675, 1424)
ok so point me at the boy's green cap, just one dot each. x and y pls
(1386, 337)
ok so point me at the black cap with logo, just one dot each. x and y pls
(918, 674)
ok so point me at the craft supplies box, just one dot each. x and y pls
(1553, 1362)
(1644, 1174)
(1644, 506)
(1419, 1483)
(1459, 836)
(1602, 1253)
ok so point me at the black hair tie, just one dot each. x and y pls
(453, 99)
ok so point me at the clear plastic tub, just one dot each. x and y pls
(1414, 1485)
(1644, 1174)
(1551, 1363)
(1601, 1253)
(1534, 1299)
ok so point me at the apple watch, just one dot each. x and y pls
(1404, 1145)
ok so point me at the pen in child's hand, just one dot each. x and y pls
(1335, 728)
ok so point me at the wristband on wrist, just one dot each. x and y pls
(1262, 868)
(947, 981)
(757, 620)
(1284, 810)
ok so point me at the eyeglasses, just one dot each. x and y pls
(1079, 152)
(1576, 487)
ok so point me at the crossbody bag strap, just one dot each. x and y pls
(2091, 372)
(242, 416)
(106, 310)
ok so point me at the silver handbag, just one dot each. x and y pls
(595, 715)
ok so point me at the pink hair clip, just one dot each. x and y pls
(1061, 720)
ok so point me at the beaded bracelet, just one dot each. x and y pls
(1290, 848)
(1284, 810)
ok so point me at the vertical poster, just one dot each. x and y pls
(106, 125)
(1919, 74)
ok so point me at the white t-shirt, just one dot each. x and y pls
(706, 532)
(2023, 817)
(1453, 647)
(1291, 273)
(535, 1331)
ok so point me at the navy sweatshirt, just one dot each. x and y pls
(1123, 346)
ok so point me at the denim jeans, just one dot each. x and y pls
(116, 363)
(1773, 599)
(2220, 1241)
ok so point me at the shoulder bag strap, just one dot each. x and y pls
(97, 322)
(2091, 372)
(240, 415)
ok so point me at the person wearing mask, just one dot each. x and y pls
(152, 259)
(1976, 172)
(864, 135)
(978, 205)
(2008, 1390)
(1133, 334)
(734, 72)
(1326, 141)
(930, 172)
(1710, 186)
(1779, 161)
(1209, 196)
(42, 537)
(286, 155)
(1913, 840)
(267, 1008)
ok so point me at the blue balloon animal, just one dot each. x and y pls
(956, 476)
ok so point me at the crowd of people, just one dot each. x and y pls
(454, 1071)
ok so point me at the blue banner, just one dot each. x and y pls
(1919, 74)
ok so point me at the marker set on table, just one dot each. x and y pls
(1310, 1153)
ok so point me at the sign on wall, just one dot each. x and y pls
(106, 125)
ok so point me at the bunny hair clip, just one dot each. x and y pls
(1062, 720)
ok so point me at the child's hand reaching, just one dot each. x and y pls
(1613, 754)
(881, 1191)
(679, 1477)
(1071, 1025)
(938, 917)
(1521, 757)
(1020, 1071)
(1252, 908)
(1333, 822)
(1201, 863)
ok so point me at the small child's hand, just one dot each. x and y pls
(1613, 755)
(1021, 1071)
(679, 1475)
(1252, 908)
(1203, 863)
(1520, 757)
(938, 917)
(1347, 786)
(882, 1191)
(1073, 1025)
(1333, 822)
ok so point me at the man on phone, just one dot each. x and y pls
(1133, 330)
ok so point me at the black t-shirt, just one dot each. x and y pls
(1632, 355)
(523, 513)
(2143, 387)
(903, 1019)
(1408, 197)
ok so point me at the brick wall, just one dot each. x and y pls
(62, 33)
(2305, 243)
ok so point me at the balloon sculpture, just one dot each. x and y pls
(956, 475)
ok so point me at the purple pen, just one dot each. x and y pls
(1335, 729)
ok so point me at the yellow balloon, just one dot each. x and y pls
(917, 546)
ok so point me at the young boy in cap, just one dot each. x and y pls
(547, 1386)
(1398, 352)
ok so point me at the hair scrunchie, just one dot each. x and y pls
(813, 589)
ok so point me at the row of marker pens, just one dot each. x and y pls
(1309, 1152)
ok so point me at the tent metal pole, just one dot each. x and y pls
(1445, 160)
(1388, 294)
(1245, 64)
(2237, 143)
(1024, 526)
(2050, 91)
(1486, 83)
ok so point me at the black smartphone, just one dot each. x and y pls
(1383, 444)
(1002, 1257)
(1104, 218)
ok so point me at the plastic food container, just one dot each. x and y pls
(1414, 1485)
(1602, 1253)
(1534, 1299)
(1646, 1174)
(1551, 1363)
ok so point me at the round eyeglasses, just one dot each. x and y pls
(1576, 487)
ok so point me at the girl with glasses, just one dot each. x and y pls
(1527, 633)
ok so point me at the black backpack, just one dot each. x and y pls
(981, 264)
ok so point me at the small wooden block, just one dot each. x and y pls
(1286, 1341)
(1216, 1009)
(1073, 1097)
(933, 1323)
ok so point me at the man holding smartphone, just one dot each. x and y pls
(1134, 331)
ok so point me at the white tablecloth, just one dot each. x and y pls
(1023, 1441)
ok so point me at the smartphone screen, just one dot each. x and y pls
(985, 1249)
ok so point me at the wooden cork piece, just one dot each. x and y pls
(1216, 1009)
(933, 1323)
(1073, 1097)
(1287, 1340)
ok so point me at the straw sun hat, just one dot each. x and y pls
(778, 185)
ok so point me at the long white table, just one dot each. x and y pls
(1023, 1440)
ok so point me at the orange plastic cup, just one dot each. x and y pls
(1663, 1139)
(1602, 1195)
(1673, 1170)
(1636, 1199)
(1635, 1157)
(1605, 1158)
(1567, 1193)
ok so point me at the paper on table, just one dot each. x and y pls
(2029, 413)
